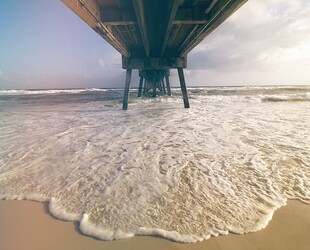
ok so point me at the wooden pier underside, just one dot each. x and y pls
(154, 34)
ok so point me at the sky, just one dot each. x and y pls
(43, 44)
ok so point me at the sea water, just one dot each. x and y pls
(224, 165)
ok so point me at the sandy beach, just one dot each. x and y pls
(28, 225)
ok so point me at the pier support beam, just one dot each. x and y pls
(154, 88)
(126, 90)
(163, 84)
(151, 80)
(140, 86)
(183, 87)
(168, 85)
(145, 86)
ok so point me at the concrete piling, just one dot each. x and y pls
(127, 89)
(183, 87)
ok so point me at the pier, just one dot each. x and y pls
(154, 36)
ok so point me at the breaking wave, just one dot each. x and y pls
(224, 165)
(287, 98)
(48, 91)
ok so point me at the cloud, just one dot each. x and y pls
(102, 63)
(263, 36)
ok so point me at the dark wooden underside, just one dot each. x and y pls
(154, 28)
(154, 36)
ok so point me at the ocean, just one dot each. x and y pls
(223, 165)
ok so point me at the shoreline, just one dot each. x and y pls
(29, 225)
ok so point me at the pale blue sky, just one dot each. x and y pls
(44, 45)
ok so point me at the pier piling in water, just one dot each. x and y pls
(163, 85)
(140, 87)
(168, 85)
(127, 89)
(154, 79)
(183, 87)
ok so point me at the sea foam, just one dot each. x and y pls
(224, 165)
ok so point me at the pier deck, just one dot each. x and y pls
(154, 36)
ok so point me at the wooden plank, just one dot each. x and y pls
(89, 12)
(172, 13)
(211, 5)
(154, 63)
(183, 87)
(77, 8)
(190, 15)
(139, 10)
(173, 34)
(189, 37)
(174, 16)
(216, 16)
(118, 23)
(127, 89)
(117, 16)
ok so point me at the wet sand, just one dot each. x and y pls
(27, 225)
